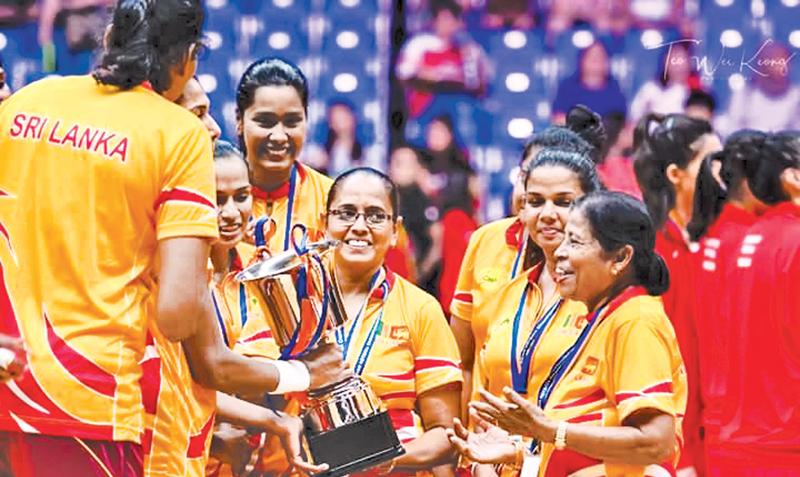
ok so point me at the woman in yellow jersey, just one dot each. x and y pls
(396, 336)
(495, 255)
(533, 324)
(614, 401)
(271, 114)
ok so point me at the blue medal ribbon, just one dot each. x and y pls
(565, 361)
(366, 350)
(521, 373)
(290, 207)
(518, 258)
(345, 340)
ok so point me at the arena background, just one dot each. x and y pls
(349, 50)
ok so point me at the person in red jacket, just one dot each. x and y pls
(669, 151)
(724, 208)
(759, 419)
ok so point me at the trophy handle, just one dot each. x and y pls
(264, 231)
(304, 286)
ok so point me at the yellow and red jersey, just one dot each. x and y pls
(179, 412)
(630, 360)
(413, 350)
(85, 196)
(308, 203)
(562, 330)
(494, 256)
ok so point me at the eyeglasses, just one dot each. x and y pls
(373, 217)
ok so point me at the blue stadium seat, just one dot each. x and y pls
(350, 41)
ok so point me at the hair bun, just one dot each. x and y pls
(588, 125)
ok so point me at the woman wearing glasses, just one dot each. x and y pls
(669, 152)
(617, 395)
(396, 336)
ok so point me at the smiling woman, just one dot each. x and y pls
(271, 104)
(395, 335)
(234, 206)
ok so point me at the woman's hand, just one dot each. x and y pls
(289, 430)
(231, 446)
(488, 445)
(12, 358)
(517, 415)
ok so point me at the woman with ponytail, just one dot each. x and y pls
(108, 210)
(612, 404)
(758, 421)
(668, 153)
(723, 211)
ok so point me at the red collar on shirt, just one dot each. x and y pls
(514, 233)
(535, 273)
(617, 301)
(389, 278)
(784, 208)
(282, 191)
(736, 214)
(673, 233)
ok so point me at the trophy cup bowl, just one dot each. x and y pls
(344, 424)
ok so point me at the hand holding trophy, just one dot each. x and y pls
(344, 424)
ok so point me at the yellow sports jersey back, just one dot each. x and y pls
(630, 361)
(91, 178)
(180, 422)
(308, 198)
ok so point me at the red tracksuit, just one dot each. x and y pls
(718, 251)
(760, 417)
(680, 305)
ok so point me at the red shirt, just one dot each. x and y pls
(457, 226)
(760, 423)
(617, 174)
(718, 250)
(680, 305)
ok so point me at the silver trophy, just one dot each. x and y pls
(345, 426)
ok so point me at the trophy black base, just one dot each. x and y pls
(355, 447)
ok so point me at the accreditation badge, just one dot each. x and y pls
(531, 464)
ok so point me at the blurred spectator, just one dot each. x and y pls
(415, 207)
(458, 224)
(445, 71)
(451, 176)
(700, 105)
(616, 164)
(84, 25)
(591, 85)
(564, 14)
(420, 216)
(5, 90)
(13, 12)
(668, 91)
(514, 13)
(342, 149)
(771, 102)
